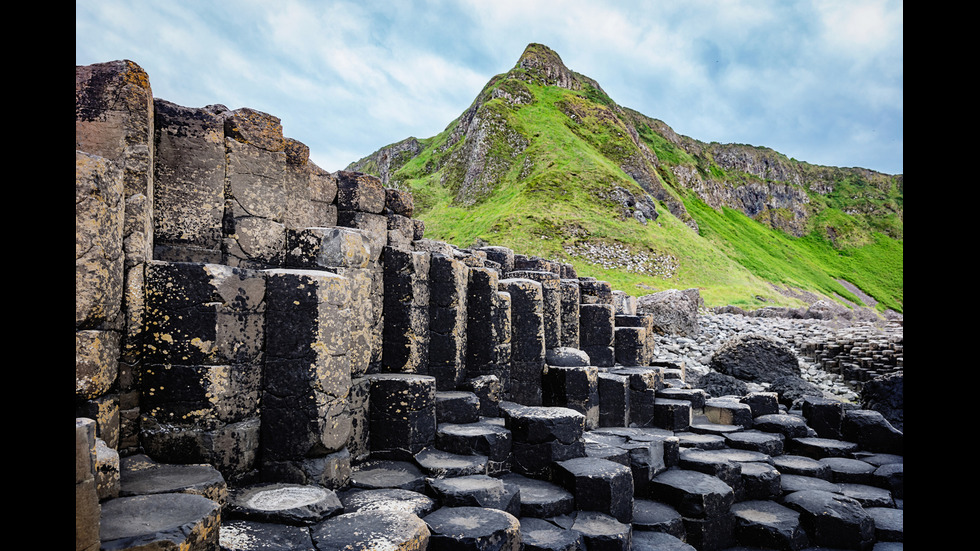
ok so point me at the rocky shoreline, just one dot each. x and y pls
(799, 334)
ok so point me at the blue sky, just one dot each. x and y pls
(820, 81)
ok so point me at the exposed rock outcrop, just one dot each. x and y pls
(755, 358)
(674, 312)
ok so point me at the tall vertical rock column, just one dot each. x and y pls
(551, 303)
(361, 203)
(488, 328)
(570, 299)
(447, 320)
(306, 420)
(346, 252)
(113, 241)
(406, 304)
(202, 377)
(597, 325)
(255, 190)
(189, 184)
(528, 340)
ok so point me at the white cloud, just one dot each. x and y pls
(347, 77)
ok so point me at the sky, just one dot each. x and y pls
(819, 81)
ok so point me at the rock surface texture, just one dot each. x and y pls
(270, 356)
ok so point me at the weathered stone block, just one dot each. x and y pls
(832, 520)
(99, 218)
(536, 424)
(486, 439)
(402, 414)
(724, 411)
(596, 335)
(374, 226)
(824, 415)
(489, 391)
(188, 183)
(201, 395)
(401, 231)
(502, 256)
(310, 190)
(96, 362)
(255, 128)
(595, 292)
(624, 303)
(598, 485)
(203, 314)
(694, 494)
(644, 382)
(614, 400)
(576, 388)
(762, 403)
(233, 448)
(360, 192)
(457, 407)
(114, 119)
(399, 202)
(630, 345)
(674, 415)
(320, 247)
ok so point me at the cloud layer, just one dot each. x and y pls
(820, 81)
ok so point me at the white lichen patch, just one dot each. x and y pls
(285, 498)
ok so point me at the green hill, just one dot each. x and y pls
(545, 162)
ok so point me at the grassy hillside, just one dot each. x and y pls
(550, 166)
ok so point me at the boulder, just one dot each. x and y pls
(674, 312)
(719, 384)
(886, 395)
(793, 388)
(755, 358)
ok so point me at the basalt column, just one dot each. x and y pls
(201, 384)
(99, 291)
(346, 252)
(570, 299)
(361, 200)
(643, 351)
(306, 422)
(597, 324)
(114, 129)
(447, 321)
(594, 291)
(402, 414)
(189, 183)
(488, 328)
(406, 317)
(551, 303)
(528, 340)
(255, 190)
(399, 206)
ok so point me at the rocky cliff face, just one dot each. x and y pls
(387, 160)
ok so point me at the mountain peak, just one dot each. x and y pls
(539, 62)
